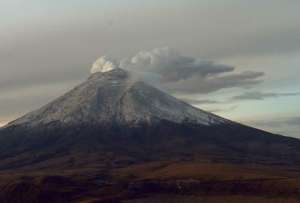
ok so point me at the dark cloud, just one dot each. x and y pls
(199, 101)
(261, 95)
(218, 110)
(198, 84)
(278, 122)
(182, 74)
(293, 121)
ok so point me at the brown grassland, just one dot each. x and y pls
(163, 181)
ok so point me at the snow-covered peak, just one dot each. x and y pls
(114, 97)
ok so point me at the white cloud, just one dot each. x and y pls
(103, 64)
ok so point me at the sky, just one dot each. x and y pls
(238, 59)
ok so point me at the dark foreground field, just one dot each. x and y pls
(155, 182)
(218, 199)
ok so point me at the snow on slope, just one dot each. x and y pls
(113, 96)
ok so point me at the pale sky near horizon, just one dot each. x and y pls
(47, 47)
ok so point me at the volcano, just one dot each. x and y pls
(113, 121)
(113, 112)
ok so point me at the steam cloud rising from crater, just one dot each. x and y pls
(103, 64)
(169, 70)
